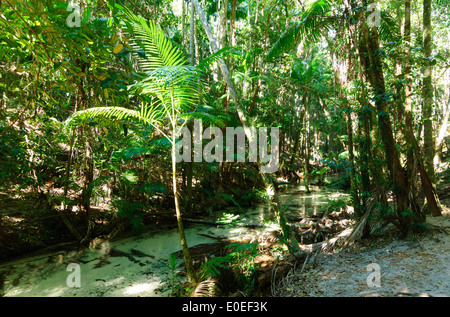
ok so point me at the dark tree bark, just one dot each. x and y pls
(405, 217)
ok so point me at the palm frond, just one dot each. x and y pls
(158, 49)
(207, 118)
(315, 22)
(211, 59)
(147, 115)
(389, 29)
(176, 85)
(286, 42)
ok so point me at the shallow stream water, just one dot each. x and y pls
(135, 266)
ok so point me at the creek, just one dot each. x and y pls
(134, 266)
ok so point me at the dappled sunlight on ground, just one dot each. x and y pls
(142, 289)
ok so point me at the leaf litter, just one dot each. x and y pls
(413, 267)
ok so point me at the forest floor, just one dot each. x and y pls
(417, 266)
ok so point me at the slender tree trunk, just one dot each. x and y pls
(400, 102)
(297, 133)
(261, 64)
(306, 154)
(190, 165)
(427, 91)
(223, 23)
(68, 167)
(223, 41)
(183, 22)
(354, 187)
(232, 39)
(409, 133)
(186, 253)
(88, 157)
(364, 131)
(192, 37)
(88, 175)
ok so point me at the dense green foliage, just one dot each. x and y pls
(88, 112)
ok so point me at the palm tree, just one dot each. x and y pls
(169, 90)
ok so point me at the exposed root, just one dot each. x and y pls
(328, 245)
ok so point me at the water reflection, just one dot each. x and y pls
(133, 266)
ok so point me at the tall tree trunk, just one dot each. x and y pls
(190, 165)
(261, 63)
(298, 135)
(183, 23)
(192, 37)
(184, 246)
(353, 184)
(232, 39)
(68, 167)
(88, 156)
(409, 126)
(427, 91)
(224, 39)
(364, 134)
(409, 133)
(404, 219)
(351, 77)
(400, 103)
(223, 23)
(369, 116)
(306, 153)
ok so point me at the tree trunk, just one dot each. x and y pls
(184, 246)
(261, 64)
(190, 165)
(298, 134)
(409, 125)
(88, 157)
(223, 23)
(427, 91)
(306, 154)
(183, 23)
(365, 142)
(409, 133)
(353, 184)
(368, 115)
(189, 175)
(232, 39)
(192, 37)
(404, 219)
(68, 167)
